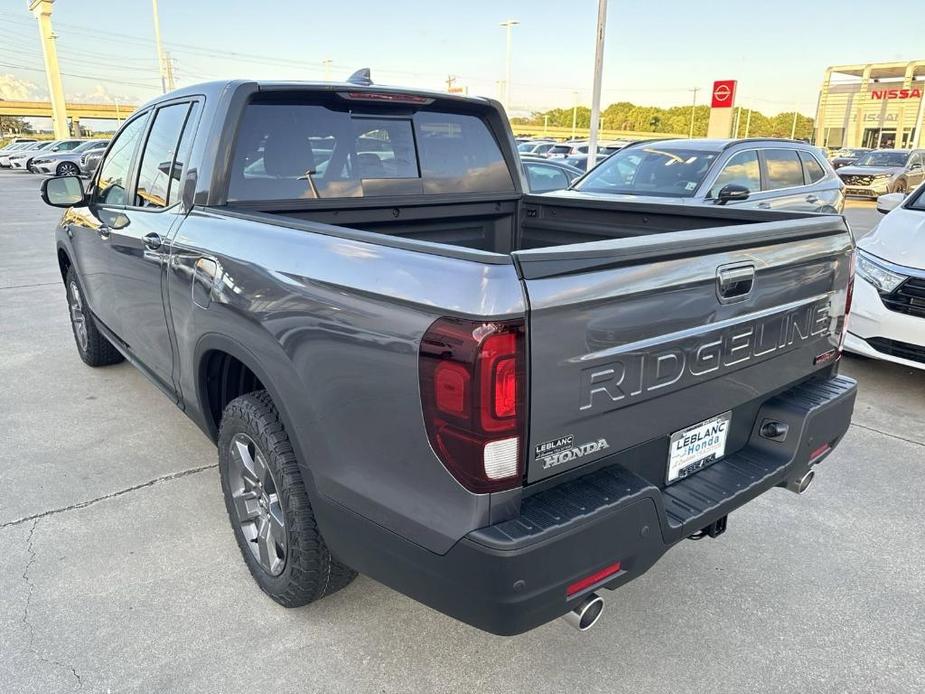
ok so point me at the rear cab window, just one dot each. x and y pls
(316, 146)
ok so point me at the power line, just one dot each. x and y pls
(86, 77)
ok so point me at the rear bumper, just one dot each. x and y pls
(511, 577)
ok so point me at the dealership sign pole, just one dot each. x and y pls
(721, 109)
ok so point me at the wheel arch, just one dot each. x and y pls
(241, 372)
(64, 262)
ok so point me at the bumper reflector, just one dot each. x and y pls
(819, 452)
(593, 579)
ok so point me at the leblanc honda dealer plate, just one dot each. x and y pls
(697, 446)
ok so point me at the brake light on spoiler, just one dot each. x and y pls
(387, 97)
(472, 398)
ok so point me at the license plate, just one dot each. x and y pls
(697, 446)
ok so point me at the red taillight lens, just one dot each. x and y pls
(849, 298)
(593, 579)
(472, 385)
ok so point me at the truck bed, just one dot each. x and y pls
(505, 225)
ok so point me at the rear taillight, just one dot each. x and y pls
(849, 298)
(472, 395)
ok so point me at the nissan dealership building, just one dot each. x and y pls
(876, 105)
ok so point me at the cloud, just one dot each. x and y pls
(15, 89)
(99, 95)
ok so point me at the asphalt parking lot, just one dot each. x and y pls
(119, 571)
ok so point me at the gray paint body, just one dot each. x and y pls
(330, 319)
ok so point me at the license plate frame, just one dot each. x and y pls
(707, 446)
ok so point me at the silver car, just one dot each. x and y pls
(10, 150)
(883, 171)
(23, 159)
(763, 173)
(67, 163)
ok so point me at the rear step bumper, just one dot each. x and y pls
(513, 576)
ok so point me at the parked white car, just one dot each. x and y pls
(888, 314)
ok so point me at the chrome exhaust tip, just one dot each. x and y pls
(586, 614)
(799, 485)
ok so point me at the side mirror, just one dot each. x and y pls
(889, 202)
(732, 192)
(63, 191)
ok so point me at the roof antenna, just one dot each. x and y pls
(361, 77)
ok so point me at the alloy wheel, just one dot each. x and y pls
(68, 169)
(78, 319)
(256, 501)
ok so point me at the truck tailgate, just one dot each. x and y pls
(634, 339)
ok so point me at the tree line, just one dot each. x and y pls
(675, 120)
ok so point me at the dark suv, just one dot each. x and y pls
(761, 173)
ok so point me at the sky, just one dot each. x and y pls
(655, 53)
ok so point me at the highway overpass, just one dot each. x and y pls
(75, 112)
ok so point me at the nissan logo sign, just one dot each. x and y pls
(723, 93)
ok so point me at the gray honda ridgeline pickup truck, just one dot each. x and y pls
(496, 403)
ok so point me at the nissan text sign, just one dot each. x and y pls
(724, 93)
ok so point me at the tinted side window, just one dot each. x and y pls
(67, 146)
(157, 161)
(741, 169)
(814, 170)
(542, 178)
(784, 168)
(113, 179)
(183, 152)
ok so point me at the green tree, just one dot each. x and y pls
(15, 125)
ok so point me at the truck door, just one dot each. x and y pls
(89, 226)
(139, 245)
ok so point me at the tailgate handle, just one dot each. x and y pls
(734, 283)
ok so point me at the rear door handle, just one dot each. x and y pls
(812, 198)
(764, 205)
(152, 241)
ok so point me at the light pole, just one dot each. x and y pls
(693, 110)
(598, 73)
(793, 128)
(159, 46)
(327, 69)
(508, 25)
(575, 115)
(42, 11)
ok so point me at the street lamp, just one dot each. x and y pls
(508, 25)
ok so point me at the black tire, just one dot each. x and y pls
(309, 571)
(67, 168)
(93, 347)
